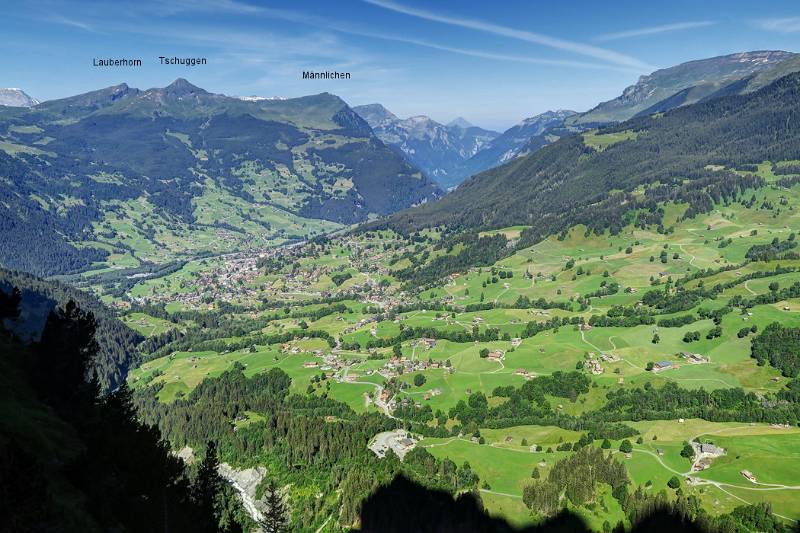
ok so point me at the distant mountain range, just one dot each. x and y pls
(16, 98)
(523, 138)
(436, 149)
(129, 177)
(439, 150)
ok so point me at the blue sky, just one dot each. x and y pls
(494, 63)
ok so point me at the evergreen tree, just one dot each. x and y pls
(208, 486)
(275, 518)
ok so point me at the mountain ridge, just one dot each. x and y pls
(696, 79)
(281, 170)
(438, 149)
(567, 182)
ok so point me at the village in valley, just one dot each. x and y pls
(338, 317)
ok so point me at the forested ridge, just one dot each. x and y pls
(686, 155)
(117, 343)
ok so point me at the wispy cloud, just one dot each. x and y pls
(780, 25)
(65, 21)
(652, 30)
(523, 35)
(489, 55)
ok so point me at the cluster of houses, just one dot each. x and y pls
(397, 365)
(594, 366)
(689, 357)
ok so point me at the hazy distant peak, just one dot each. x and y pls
(459, 122)
(374, 114)
(16, 97)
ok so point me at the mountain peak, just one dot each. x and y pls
(15, 97)
(181, 87)
(459, 122)
(374, 114)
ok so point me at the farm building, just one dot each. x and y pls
(662, 365)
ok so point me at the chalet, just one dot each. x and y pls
(711, 449)
(405, 443)
(310, 364)
(748, 475)
(694, 358)
(701, 464)
(436, 392)
(496, 355)
(428, 343)
(660, 451)
(585, 327)
(662, 365)
(516, 342)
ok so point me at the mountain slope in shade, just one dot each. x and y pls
(148, 176)
(437, 149)
(683, 84)
(523, 138)
(13, 97)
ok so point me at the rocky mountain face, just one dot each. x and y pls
(152, 175)
(523, 138)
(688, 83)
(439, 150)
(16, 98)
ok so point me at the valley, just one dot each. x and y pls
(334, 317)
(224, 314)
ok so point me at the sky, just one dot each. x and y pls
(493, 63)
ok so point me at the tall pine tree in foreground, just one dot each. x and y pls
(207, 487)
(275, 519)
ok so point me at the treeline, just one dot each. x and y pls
(476, 251)
(777, 249)
(576, 479)
(672, 401)
(780, 346)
